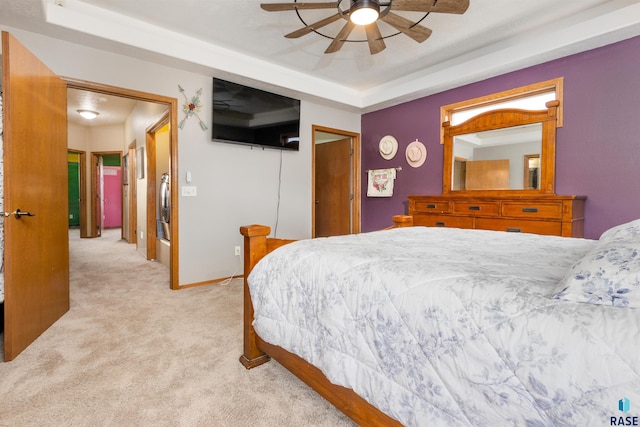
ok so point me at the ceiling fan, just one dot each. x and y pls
(366, 13)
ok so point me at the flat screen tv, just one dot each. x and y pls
(249, 116)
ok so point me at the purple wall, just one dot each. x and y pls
(598, 148)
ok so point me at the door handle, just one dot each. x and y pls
(18, 213)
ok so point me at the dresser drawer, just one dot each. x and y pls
(552, 228)
(545, 214)
(551, 210)
(432, 207)
(477, 208)
(443, 221)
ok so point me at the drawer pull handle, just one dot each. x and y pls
(474, 208)
(431, 206)
(513, 230)
(441, 224)
(530, 210)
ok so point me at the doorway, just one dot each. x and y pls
(130, 197)
(532, 173)
(141, 168)
(158, 163)
(459, 173)
(336, 182)
(106, 193)
(79, 158)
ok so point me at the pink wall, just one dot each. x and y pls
(598, 149)
(112, 196)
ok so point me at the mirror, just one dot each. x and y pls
(498, 159)
(501, 150)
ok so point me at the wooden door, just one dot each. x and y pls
(487, 175)
(333, 188)
(35, 180)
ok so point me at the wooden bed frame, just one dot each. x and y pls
(257, 351)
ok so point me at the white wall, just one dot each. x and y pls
(236, 185)
(78, 137)
(106, 138)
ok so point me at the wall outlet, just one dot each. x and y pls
(237, 251)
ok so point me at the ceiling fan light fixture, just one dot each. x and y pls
(364, 12)
(88, 114)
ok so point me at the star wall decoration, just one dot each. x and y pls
(191, 107)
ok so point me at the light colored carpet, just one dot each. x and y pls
(132, 352)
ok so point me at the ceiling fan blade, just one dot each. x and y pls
(374, 37)
(342, 36)
(312, 27)
(441, 6)
(408, 27)
(279, 7)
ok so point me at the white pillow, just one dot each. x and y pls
(629, 230)
(610, 273)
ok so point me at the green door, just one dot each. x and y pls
(74, 190)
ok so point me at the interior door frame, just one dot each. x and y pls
(82, 168)
(152, 191)
(132, 196)
(526, 171)
(172, 105)
(93, 230)
(355, 175)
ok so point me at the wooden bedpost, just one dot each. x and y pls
(255, 247)
(400, 221)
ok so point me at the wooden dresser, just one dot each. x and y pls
(540, 214)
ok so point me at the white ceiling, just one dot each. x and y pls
(237, 40)
(110, 109)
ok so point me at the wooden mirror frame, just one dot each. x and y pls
(499, 119)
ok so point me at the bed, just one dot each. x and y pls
(430, 326)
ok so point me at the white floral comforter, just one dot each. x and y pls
(449, 327)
